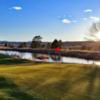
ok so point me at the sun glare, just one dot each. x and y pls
(98, 35)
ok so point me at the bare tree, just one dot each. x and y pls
(92, 35)
(93, 31)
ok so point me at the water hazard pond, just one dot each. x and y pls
(47, 58)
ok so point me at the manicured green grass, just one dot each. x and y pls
(26, 80)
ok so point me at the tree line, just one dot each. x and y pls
(37, 43)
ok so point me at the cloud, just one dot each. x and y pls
(95, 19)
(17, 8)
(88, 10)
(66, 21)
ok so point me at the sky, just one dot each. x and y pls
(68, 20)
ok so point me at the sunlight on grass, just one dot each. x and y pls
(49, 81)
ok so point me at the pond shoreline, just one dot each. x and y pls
(88, 55)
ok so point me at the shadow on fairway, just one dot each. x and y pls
(12, 91)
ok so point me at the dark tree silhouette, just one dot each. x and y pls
(36, 42)
(56, 44)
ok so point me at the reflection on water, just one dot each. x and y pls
(48, 58)
(55, 58)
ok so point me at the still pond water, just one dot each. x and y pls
(48, 58)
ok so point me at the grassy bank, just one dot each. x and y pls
(26, 80)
